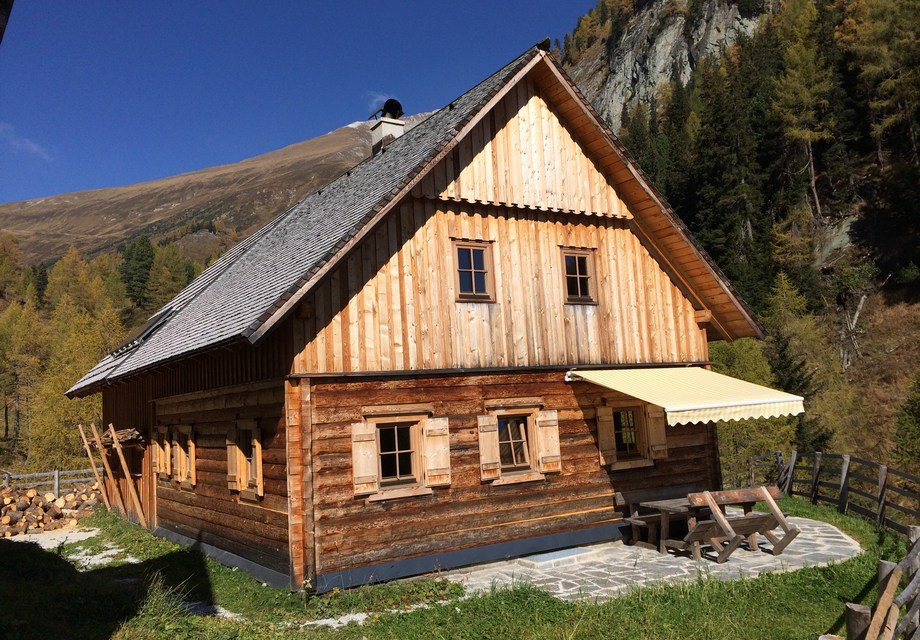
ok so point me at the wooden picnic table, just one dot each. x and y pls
(724, 533)
(673, 508)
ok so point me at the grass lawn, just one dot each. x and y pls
(43, 595)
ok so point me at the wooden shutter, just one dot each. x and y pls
(606, 436)
(657, 440)
(233, 461)
(166, 464)
(191, 457)
(257, 461)
(364, 457)
(436, 451)
(490, 462)
(549, 459)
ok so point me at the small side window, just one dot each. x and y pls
(474, 281)
(580, 282)
(244, 460)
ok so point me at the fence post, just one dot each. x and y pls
(858, 617)
(913, 538)
(843, 493)
(815, 477)
(751, 472)
(57, 483)
(779, 467)
(790, 472)
(882, 487)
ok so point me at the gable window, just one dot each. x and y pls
(399, 451)
(580, 282)
(518, 441)
(183, 456)
(244, 460)
(474, 270)
(630, 436)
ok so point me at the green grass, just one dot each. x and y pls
(143, 600)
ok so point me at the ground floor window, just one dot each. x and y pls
(183, 456)
(518, 441)
(244, 460)
(630, 435)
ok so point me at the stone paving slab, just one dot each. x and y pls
(607, 569)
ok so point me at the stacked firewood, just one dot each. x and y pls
(31, 511)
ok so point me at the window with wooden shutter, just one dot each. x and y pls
(183, 459)
(234, 481)
(489, 457)
(657, 438)
(546, 436)
(364, 457)
(629, 436)
(436, 450)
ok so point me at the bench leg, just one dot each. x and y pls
(752, 538)
(665, 531)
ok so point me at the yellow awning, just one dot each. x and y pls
(692, 394)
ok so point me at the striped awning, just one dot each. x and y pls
(692, 394)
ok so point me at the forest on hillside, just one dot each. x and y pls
(794, 158)
(55, 324)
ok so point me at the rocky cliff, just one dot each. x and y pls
(662, 39)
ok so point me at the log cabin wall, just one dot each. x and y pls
(131, 403)
(210, 512)
(392, 304)
(355, 537)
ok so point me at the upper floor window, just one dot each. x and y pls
(579, 275)
(474, 270)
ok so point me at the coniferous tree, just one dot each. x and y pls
(135, 269)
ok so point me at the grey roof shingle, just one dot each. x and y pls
(234, 297)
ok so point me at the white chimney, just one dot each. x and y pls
(384, 131)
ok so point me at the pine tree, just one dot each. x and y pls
(135, 269)
(802, 100)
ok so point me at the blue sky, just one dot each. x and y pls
(97, 94)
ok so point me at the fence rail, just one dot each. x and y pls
(51, 480)
(887, 495)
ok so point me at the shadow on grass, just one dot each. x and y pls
(42, 595)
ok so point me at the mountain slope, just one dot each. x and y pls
(236, 197)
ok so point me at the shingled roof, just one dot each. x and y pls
(255, 284)
(249, 283)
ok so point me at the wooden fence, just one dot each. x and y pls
(887, 495)
(50, 480)
(885, 621)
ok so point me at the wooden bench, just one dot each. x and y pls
(645, 519)
(725, 533)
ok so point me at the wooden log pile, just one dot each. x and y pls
(31, 511)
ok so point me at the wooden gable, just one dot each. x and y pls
(523, 155)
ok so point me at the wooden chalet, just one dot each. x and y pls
(457, 351)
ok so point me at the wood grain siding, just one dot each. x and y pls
(257, 530)
(131, 403)
(524, 155)
(351, 532)
(392, 305)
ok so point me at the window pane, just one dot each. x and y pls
(403, 439)
(504, 454)
(519, 455)
(388, 465)
(466, 282)
(514, 428)
(571, 286)
(387, 439)
(463, 258)
(479, 259)
(480, 279)
(582, 265)
(583, 288)
(570, 269)
(405, 464)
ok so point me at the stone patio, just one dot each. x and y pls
(604, 570)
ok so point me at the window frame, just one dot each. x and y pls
(488, 269)
(591, 275)
(536, 419)
(183, 462)
(647, 451)
(244, 473)
(429, 442)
